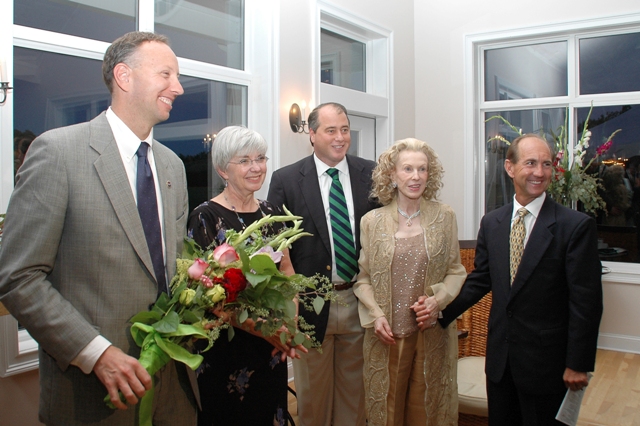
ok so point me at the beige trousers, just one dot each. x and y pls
(329, 385)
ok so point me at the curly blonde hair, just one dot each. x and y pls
(382, 188)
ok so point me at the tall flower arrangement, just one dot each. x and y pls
(571, 180)
(239, 277)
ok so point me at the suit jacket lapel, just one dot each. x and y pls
(167, 191)
(310, 190)
(114, 179)
(537, 245)
(502, 229)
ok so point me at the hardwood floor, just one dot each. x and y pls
(612, 397)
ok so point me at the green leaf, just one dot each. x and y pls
(192, 316)
(243, 316)
(283, 338)
(298, 339)
(169, 323)
(318, 304)
(148, 317)
(230, 333)
(179, 353)
(255, 279)
(290, 309)
(263, 264)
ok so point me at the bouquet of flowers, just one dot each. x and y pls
(571, 180)
(240, 278)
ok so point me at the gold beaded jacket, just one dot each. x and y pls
(444, 278)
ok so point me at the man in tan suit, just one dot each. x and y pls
(76, 264)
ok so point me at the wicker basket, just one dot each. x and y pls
(474, 321)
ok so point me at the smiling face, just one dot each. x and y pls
(149, 84)
(411, 174)
(532, 172)
(245, 179)
(332, 139)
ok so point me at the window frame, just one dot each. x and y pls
(475, 105)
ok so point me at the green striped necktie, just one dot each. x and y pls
(343, 246)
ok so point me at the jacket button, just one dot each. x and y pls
(510, 314)
(328, 267)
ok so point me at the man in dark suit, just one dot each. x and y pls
(329, 385)
(543, 325)
(76, 263)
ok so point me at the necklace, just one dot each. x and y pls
(404, 214)
(236, 212)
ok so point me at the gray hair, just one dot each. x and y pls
(235, 141)
(122, 51)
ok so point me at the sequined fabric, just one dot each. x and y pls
(444, 276)
(408, 270)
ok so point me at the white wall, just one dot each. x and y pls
(298, 23)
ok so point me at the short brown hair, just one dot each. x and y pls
(513, 154)
(122, 49)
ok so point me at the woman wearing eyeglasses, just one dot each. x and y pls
(242, 381)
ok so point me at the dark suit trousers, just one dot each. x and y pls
(509, 406)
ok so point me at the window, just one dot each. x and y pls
(343, 61)
(538, 82)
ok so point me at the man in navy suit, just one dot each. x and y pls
(543, 326)
(329, 385)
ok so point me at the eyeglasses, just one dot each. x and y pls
(246, 162)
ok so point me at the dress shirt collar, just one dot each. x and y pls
(533, 207)
(321, 167)
(126, 140)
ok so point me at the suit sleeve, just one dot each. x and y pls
(477, 284)
(584, 279)
(33, 230)
(276, 194)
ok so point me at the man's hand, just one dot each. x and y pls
(575, 380)
(120, 372)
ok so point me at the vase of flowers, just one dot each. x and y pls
(572, 179)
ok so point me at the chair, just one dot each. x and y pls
(472, 392)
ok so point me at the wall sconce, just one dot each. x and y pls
(208, 140)
(296, 118)
(4, 84)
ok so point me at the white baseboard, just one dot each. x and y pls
(619, 343)
(290, 369)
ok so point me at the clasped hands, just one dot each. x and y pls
(426, 310)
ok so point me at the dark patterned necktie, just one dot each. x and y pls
(343, 247)
(516, 242)
(148, 210)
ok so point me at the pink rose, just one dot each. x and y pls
(196, 270)
(224, 254)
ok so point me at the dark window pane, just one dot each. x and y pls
(105, 22)
(610, 64)
(523, 72)
(498, 185)
(210, 31)
(619, 171)
(53, 90)
(343, 61)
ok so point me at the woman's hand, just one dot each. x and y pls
(427, 311)
(383, 331)
(285, 350)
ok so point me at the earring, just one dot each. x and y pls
(226, 183)
(394, 185)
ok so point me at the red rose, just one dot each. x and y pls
(234, 283)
